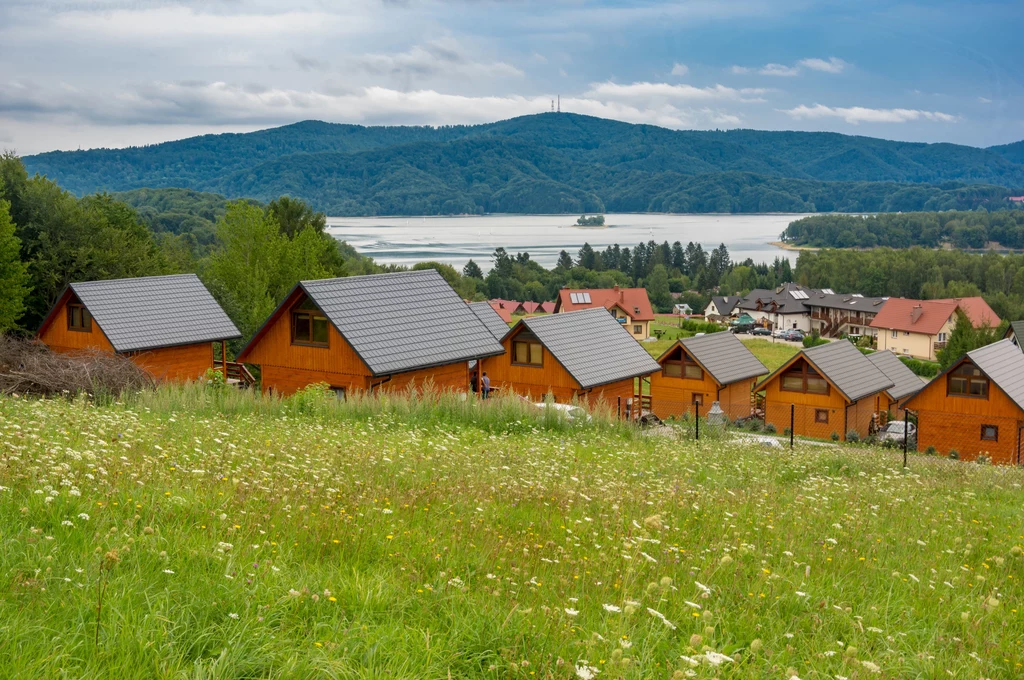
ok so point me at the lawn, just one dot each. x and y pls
(771, 354)
(206, 534)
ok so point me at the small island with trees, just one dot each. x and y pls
(595, 221)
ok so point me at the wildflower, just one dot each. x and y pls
(224, 547)
(696, 640)
(756, 646)
(585, 672)
(716, 659)
(83, 516)
(661, 616)
(611, 608)
(725, 561)
(874, 668)
(653, 522)
(148, 531)
(666, 581)
(233, 615)
(571, 612)
(67, 523)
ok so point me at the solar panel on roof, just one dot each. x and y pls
(799, 295)
(574, 298)
(586, 298)
(828, 291)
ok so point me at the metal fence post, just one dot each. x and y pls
(906, 436)
(696, 422)
(792, 424)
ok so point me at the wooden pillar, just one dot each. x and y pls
(224, 357)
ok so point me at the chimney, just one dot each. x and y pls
(916, 313)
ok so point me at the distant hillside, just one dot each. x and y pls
(1011, 152)
(553, 163)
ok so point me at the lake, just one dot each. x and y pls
(454, 240)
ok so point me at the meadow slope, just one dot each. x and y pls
(218, 536)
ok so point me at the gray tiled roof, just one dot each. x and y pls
(155, 311)
(1003, 363)
(488, 317)
(725, 303)
(592, 346)
(1017, 329)
(403, 321)
(848, 369)
(724, 357)
(905, 382)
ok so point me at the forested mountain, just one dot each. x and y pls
(554, 163)
(1011, 152)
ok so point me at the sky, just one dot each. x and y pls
(112, 73)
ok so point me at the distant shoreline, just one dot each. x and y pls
(789, 246)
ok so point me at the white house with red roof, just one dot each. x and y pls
(920, 328)
(630, 306)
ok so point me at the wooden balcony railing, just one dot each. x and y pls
(236, 373)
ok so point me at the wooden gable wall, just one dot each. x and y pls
(533, 381)
(952, 422)
(58, 337)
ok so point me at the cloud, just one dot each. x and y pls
(680, 69)
(668, 91)
(855, 115)
(739, 70)
(441, 57)
(833, 65)
(984, 100)
(308, 63)
(779, 70)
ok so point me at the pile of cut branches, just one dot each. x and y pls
(29, 367)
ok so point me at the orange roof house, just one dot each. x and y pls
(696, 372)
(976, 406)
(920, 328)
(630, 306)
(831, 388)
(165, 324)
(505, 315)
(547, 307)
(581, 355)
(384, 331)
(530, 307)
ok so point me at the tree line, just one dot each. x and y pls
(959, 229)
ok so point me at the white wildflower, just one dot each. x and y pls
(873, 667)
(84, 516)
(572, 612)
(233, 615)
(611, 608)
(585, 672)
(716, 659)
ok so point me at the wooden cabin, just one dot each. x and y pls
(384, 331)
(165, 324)
(696, 372)
(976, 406)
(578, 355)
(905, 383)
(831, 388)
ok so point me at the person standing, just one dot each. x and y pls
(486, 384)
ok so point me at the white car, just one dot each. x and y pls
(573, 414)
(895, 431)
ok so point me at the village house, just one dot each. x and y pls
(505, 315)
(547, 307)
(905, 382)
(630, 306)
(1015, 332)
(792, 306)
(976, 406)
(920, 328)
(825, 390)
(696, 372)
(364, 333)
(530, 307)
(167, 325)
(722, 308)
(577, 355)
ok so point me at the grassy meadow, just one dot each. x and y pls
(191, 533)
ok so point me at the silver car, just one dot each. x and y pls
(896, 430)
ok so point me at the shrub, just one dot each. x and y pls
(931, 451)
(983, 459)
(769, 428)
(853, 436)
(814, 339)
(954, 454)
(925, 369)
(835, 436)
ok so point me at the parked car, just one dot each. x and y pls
(742, 328)
(895, 430)
(792, 335)
(760, 331)
(574, 414)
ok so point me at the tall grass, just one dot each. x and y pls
(423, 407)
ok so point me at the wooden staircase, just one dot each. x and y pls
(235, 373)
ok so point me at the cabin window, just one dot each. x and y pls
(821, 415)
(527, 353)
(682, 365)
(339, 392)
(637, 329)
(309, 325)
(989, 433)
(672, 369)
(895, 334)
(967, 381)
(79, 318)
(803, 378)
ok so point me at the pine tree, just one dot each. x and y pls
(472, 271)
(564, 261)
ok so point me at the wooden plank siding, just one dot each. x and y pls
(179, 364)
(60, 338)
(286, 367)
(952, 422)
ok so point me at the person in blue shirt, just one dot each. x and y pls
(486, 384)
